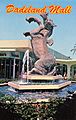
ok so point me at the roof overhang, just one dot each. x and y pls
(15, 45)
(7, 50)
(63, 61)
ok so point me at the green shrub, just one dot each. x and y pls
(4, 80)
(7, 99)
(31, 111)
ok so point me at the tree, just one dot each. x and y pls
(74, 49)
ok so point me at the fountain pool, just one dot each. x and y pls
(24, 95)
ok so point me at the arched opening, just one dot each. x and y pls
(61, 69)
(73, 71)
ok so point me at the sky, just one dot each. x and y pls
(12, 25)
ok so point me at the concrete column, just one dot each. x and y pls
(68, 70)
(72, 71)
(10, 69)
(19, 66)
(5, 68)
(14, 68)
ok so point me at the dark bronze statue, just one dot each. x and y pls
(45, 64)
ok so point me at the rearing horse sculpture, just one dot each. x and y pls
(39, 40)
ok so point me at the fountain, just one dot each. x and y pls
(44, 71)
(26, 57)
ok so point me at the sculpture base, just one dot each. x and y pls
(41, 77)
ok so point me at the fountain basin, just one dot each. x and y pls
(38, 86)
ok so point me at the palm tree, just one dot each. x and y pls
(74, 49)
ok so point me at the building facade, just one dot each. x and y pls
(12, 52)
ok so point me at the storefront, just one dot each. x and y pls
(10, 66)
(70, 66)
